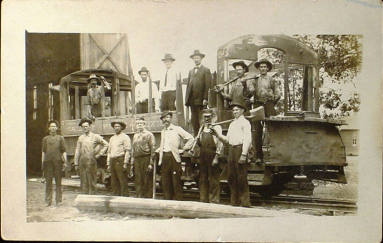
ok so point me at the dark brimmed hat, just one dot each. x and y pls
(143, 69)
(168, 57)
(140, 118)
(197, 53)
(93, 76)
(83, 120)
(239, 104)
(243, 64)
(267, 62)
(207, 112)
(123, 125)
(165, 113)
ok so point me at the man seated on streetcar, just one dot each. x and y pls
(142, 93)
(266, 94)
(243, 86)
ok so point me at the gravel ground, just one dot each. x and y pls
(38, 212)
(336, 190)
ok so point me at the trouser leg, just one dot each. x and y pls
(48, 174)
(58, 176)
(195, 118)
(114, 179)
(233, 175)
(166, 177)
(243, 186)
(176, 180)
(148, 178)
(92, 177)
(121, 177)
(214, 186)
(203, 178)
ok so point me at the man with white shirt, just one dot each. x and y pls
(239, 140)
(168, 85)
(142, 93)
(170, 149)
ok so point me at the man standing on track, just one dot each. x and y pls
(86, 156)
(143, 159)
(169, 157)
(118, 158)
(54, 159)
(197, 89)
(210, 150)
(239, 140)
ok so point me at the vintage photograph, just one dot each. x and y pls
(273, 127)
(195, 121)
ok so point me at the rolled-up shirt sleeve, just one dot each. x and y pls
(62, 145)
(246, 136)
(186, 136)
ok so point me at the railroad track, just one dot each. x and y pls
(318, 206)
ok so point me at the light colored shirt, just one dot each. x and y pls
(171, 139)
(240, 133)
(143, 143)
(95, 94)
(119, 145)
(142, 93)
(86, 147)
(170, 77)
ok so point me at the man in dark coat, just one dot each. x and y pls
(197, 89)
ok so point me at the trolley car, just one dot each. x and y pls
(298, 145)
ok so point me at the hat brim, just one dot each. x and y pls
(170, 59)
(163, 115)
(139, 72)
(201, 55)
(238, 105)
(241, 64)
(269, 65)
(93, 78)
(123, 125)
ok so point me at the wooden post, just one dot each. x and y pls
(77, 102)
(150, 99)
(310, 81)
(305, 96)
(316, 88)
(180, 103)
(64, 95)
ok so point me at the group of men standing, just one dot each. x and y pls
(246, 93)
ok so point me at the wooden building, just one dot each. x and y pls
(50, 56)
(350, 134)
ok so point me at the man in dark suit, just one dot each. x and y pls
(197, 89)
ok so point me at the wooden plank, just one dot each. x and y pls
(168, 208)
(180, 103)
(77, 102)
(286, 84)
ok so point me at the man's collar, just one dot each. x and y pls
(171, 127)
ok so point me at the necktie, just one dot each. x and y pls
(196, 69)
(166, 78)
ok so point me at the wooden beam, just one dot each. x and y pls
(167, 208)
(77, 102)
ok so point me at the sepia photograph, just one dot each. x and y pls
(170, 127)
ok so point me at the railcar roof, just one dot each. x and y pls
(246, 47)
(84, 74)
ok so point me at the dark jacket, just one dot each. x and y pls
(198, 86)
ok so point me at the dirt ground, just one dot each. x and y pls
(37, 211)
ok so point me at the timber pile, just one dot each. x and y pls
(167, 208)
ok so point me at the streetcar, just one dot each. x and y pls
(299, 146)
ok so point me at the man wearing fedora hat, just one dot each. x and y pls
(210, 150)
(241, 87)
(118, 158)
(239, 140)
(197, 89)
(170, 149)
(142, 93)
(86, 156)
(143, 159)
(266, 94)
(95, 96)
(168, 85)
